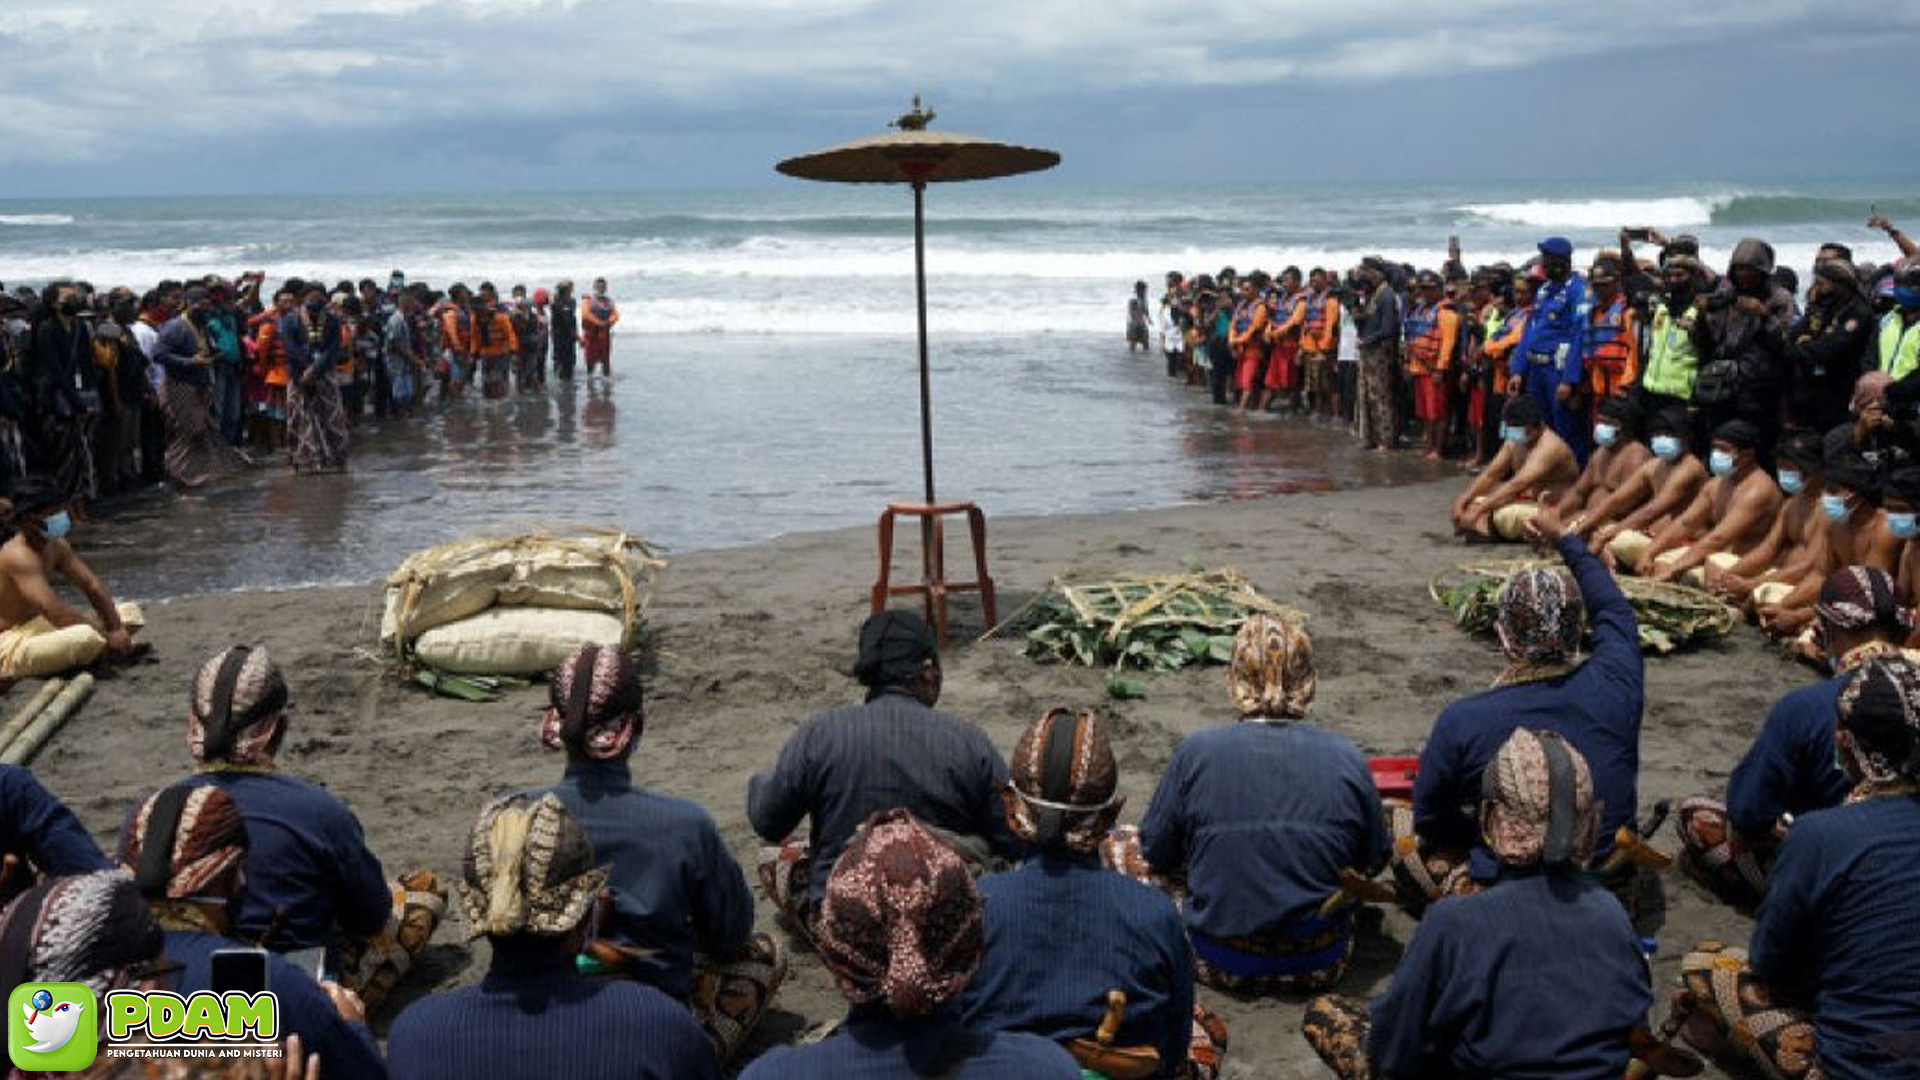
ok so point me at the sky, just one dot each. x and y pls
(148, 97)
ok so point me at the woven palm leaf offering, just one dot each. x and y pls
(1145, 622)
(1669, 616)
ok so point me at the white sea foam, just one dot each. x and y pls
(1679, 211)
(35, 219)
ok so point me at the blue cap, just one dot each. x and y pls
(1557, 245)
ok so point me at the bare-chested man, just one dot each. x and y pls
(1792, 548)
(1903, 523)
(1856, 535)
(1730, 516)
(1619, 452)
(1534, 466)
(1623, 525)
(40, 635)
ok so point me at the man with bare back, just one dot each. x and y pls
(1729, 518)
(40, 635)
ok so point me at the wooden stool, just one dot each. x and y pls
(934, 584)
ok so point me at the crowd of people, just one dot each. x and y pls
(103, 392)
(930, 875)
(1425, 357)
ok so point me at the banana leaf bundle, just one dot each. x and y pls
(1668, 616)
(1158, 623)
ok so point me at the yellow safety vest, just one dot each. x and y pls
(1672, 360)
(1899, 345)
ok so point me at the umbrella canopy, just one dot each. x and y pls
(913, 155)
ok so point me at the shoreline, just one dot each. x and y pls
(751, 640)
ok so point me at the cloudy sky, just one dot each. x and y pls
(213, 96)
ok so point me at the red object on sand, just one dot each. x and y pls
(1393, 776)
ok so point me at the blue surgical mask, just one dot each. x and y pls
(58, 526)
(1907, 296)
(1834, 506)
(1606, 434)
(1666, 447)
(1791, 482)
(1514, 434)
(1720, 463)
(1903, 526)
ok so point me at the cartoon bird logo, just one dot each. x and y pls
(52, 1026)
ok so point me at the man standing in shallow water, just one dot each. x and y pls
(597, 319)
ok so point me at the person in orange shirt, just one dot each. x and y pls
(1432, 331)
(1247, 338)
(598, 316)
(1318, 317)
(1612, 348)
(265, 386)
(1284, 324)
(456, 342)
(494, 343)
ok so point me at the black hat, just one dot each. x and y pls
(36, 493)
(1739, 434)
(1522, 411)
(1801, 449)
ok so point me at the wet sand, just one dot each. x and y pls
(751, 640)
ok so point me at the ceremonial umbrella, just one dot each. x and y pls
(913, 155)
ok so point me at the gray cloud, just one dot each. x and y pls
(182, 94)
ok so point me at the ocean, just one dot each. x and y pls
(765, 357)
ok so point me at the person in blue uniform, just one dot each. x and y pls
(1828, 987)
(1548, 365)
(1127, 936)
(1486, 985)
(38, 828)
(682, 915)
(1265, 820)
(186, 847)
(1791, 769)
(894, 750)
(530, 886)
(899, 926)
(1595, 704)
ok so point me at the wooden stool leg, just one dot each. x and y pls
(977, 524)
(937, 579)
(879, 597)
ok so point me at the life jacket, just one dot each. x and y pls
(601, 310)
(456, 330)
(1243, 317)
(1899, 345)
(1425, 339)
(1673, 361)
(1320, 314)
(1606, 340)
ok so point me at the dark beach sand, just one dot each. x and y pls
(752, 640)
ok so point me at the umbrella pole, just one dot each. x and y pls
(926, 393)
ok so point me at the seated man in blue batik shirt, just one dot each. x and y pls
(681, 909)
(1834, 955)
(187, 848)
(530, 887)
(39, 829)
(1266, 820)
(1791, 768)
(846, 764)
(1538, 975)
(1126, 936)
(1596, 704)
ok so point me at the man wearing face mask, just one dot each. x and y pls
(65, 390)
(1856, 534)
(1533, 467)
(1729, 517)
(197, 452)
(1623, 525)
(1791, 548)
(1747, 319)
(1550, 365)
(40, 635)
(1618, 454)
(1825, 347)
(1898, 345)
(1677, 338)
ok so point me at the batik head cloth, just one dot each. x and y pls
(1063, 786)
(900, 922)
(1271, 675)
(593, 704)
(528, 869)
(1880, 709)
(237, 710)
(1861, 597)
(1540, 616)
(92, 928)
(207, 849)
(1537, 804)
